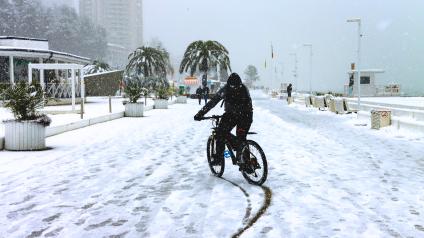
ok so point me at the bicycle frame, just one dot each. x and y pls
(229, 139)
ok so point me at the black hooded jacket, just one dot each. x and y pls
(236, 100)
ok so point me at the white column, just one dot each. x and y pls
(82, 83)
(56, 71)
(11, 70)
(359, 64)
(82, 88)
(73, 88)
(41, 74)
(29, 73)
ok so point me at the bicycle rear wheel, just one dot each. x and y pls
(217, 167)
(255, 166)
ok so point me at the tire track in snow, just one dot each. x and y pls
(249, 223)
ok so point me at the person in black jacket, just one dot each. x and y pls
(289, 90)
(199, 93)
(205, 93)
(238, 112)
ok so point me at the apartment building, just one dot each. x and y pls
(123, 21)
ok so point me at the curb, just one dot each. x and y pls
(52, 131)
(56, 130)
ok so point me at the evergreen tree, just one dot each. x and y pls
(251, 75)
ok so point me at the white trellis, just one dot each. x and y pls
(72, 67)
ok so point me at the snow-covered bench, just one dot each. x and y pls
(308, 101)
(339, 106)
(347, 108)
(320, 102)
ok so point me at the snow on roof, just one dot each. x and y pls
(41, 51)
(106, 72)
(20, 38)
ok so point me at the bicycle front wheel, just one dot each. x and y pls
(255, 166)
(216, 163)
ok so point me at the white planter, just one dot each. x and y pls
(161, 104)
(134, 109)
(24, 135)
(182, 99)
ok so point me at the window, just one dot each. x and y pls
(365, 79)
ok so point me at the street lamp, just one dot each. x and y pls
(310, 68)
(295, 70)
(358, 20)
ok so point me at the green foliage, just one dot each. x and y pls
(97, 67)
(24, 100)
(204, 55)
(134, 88)
(3, 87)
(148, 61)
(160, 86)
(163, 93)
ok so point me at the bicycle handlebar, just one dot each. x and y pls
(212, 117)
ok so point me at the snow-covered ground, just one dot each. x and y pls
(148, 177)
(95, 107)
(406, 101)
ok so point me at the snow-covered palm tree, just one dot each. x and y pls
(148, 61)
(96, 67)
(204, 55)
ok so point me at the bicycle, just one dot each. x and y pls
(249, 155)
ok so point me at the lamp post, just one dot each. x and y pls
(358, 20)
(295, 70)
(310, 68)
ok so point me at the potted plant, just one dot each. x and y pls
(162, 96)
(27, 131)
(161, 88)
(133, 90)
(181, 97)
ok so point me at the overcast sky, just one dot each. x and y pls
(393, 36)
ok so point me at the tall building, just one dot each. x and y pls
(123, 21)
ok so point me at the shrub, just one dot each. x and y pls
(134, 88)
(24, 100)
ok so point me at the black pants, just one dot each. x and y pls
(200, 99)
(227, 123)
(206, 99)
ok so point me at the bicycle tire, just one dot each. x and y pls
(262, 162)
(217, 170)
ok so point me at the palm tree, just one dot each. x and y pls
(204, 55)
(97, 67)
(148, 61)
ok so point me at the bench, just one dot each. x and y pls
(347, 108)
(308, 101)
(339, 106)
(320, 103)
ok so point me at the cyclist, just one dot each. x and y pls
(238, 112)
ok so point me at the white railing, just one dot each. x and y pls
(62, 90)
